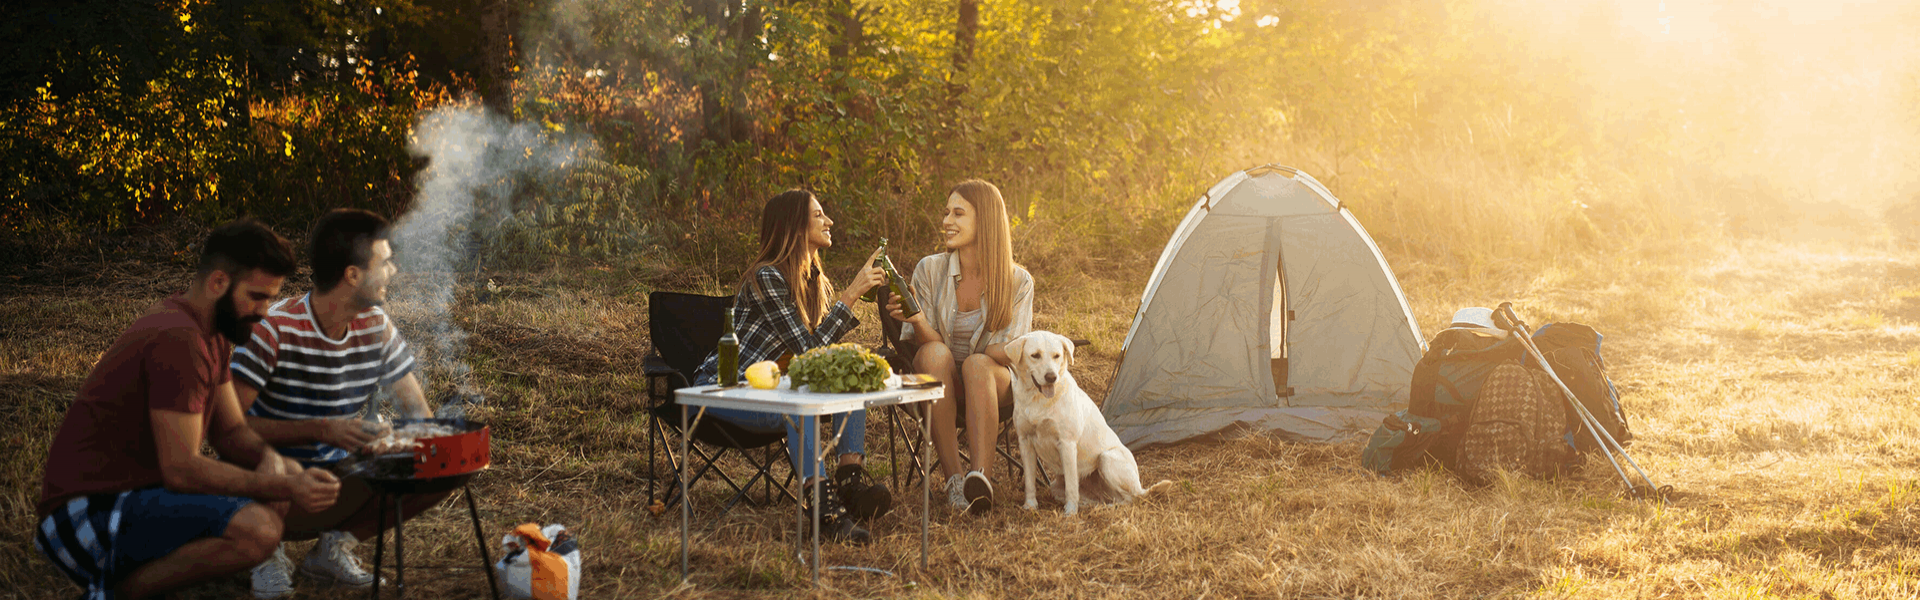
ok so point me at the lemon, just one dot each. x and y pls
(764, 375)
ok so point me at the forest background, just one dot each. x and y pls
(1461, 132)
(1678, 174)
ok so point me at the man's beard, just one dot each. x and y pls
(365, 299)
(227, 319)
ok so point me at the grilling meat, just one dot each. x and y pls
(401, 439)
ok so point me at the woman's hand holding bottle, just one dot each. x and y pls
(919, 319)
(864, 279)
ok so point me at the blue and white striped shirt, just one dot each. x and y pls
(303, 374)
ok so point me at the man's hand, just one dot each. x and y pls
(350, 434)
(315, 490)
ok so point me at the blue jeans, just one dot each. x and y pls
(852, 441)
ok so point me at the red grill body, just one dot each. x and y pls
(455, 454)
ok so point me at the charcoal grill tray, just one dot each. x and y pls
(394, 473)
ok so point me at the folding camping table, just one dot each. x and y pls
(794, 404)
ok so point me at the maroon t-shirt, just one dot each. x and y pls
(167, 360)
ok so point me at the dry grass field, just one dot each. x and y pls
(1771, 384)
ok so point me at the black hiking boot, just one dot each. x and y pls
(835, 524)
(865, 500)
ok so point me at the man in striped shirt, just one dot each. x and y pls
(308, 373)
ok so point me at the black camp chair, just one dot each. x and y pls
(685, 328)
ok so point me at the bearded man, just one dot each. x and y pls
(306, 376)
(129, 506)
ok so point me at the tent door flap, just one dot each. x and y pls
(1279, 366)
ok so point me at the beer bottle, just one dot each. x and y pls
(870, 296)
(729, 352)
(908, 308)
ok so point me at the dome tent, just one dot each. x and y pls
(1270, 309)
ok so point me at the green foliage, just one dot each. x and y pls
(1454, 135)
(839, 368)
(206, 115)
(596, 210)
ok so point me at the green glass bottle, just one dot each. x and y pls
(872, 294)
(908, 307)
(729, 352)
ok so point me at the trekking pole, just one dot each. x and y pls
(1514, 323)
(1506, 318)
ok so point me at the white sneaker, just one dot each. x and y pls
(332, 560)
(270, 579)
(956, 494)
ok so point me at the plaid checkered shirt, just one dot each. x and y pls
(769, 324)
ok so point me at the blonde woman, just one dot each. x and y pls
(973, 300)
(786, 306)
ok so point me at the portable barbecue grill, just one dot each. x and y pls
(436, 464)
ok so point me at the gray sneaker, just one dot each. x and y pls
(332, 560)
(956, 491)
(272, 578)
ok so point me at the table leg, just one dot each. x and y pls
(926, 480)
(399, 545)
(686, 499)
(814, 430)
(379, 541)
(823, 452)
(799, 516)
(486, 558)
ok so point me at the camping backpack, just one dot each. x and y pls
(1516, 424)
(1449, 378)
(1445, 383)
(1574, 352)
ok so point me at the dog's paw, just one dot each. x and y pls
(1072, 509)
(1031, 504)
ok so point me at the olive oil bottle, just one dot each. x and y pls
(729, 351)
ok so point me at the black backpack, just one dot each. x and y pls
(1448, 378)
(1574, 352)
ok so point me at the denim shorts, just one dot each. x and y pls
(155, 522)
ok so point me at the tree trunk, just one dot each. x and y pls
(496, 33)
(964, 32)
(737, 26)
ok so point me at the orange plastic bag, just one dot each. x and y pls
(540, 563)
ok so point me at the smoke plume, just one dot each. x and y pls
(477, 163)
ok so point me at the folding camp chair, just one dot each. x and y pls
(685, 328)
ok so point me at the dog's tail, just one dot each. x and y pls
(1156, 486)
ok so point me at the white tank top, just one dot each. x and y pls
(964, 325)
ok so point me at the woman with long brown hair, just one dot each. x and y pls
(973, 300)
(786, 306)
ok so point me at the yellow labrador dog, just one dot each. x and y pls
(1061, 428)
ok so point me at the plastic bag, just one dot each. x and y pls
(539, 563)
